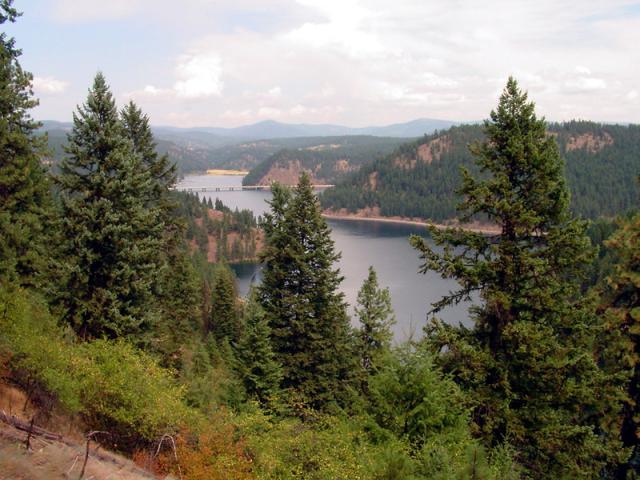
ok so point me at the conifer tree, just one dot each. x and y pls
(376, 318)
(113, 232)
(528, 358)
(178, 304)
(621, 339)
(299, 294)
(163, 172)
(24, 194)
(225, 322)
(258, 367)
(175, 286)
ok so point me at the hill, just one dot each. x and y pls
(327, 159)
(420, 178)
(243, 148)
(273, 129)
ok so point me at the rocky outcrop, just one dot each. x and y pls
(589, 142)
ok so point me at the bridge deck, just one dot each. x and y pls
(235, 188)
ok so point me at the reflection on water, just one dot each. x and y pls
(362, 243)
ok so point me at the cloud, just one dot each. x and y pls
(275, 92)
(373, 61)
(49, 85)
(95, 10)
(343, 30)
(586, 84)
(200, 76)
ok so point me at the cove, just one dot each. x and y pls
(362, 243)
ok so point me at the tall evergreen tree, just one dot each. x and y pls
(225, 322)
(113, 233)
(163, 172)
(528, 359)
(300, 297)
(258, 367)
(175, 285)
(376, 318)
(621, 339)
(178, 304)
(24, 194)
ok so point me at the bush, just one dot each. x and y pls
(112, 385)
(288, 449)
(411, 399)
(216, 453)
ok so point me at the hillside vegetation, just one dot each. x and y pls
(420, 179)
(326, 162)
(196, 152)
(114, 321)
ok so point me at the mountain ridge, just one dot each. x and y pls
(270, 129)
(420, 178)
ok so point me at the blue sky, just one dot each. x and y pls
(353, 62)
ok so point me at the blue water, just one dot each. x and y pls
(362, 243)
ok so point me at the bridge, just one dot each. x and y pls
(237, 188)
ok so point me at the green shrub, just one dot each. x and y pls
(330, 448)
(112, 385)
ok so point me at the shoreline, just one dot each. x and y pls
(231, 173)
(407, 221)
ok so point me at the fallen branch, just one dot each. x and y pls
(27, 427)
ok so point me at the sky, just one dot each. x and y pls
(351, 62)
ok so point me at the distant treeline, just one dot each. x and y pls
(232, 234)
(601, 165)
(329, 159)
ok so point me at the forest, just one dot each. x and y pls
(198, 151)
(421, 179)
(328, 161)
(113, 319)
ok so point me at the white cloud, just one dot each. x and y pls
(49, 85)
(275, 92)
(586, 84)
(92, 10)
(152, 90)
(373, 61)
(200, 76)
(343, 30)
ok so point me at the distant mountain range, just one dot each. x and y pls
(270, 129)
(197, 149)
(273, 129)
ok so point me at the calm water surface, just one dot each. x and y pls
(362, 243)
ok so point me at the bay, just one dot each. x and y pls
(362, 243)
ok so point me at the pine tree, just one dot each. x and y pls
(162, 171)
(224, 324)
(113, 233)
(621, 338)
(178, 304)
(376, 318)
(311, 334)
(257, 365)
(528, 359)
(24, 194)
(175, 285)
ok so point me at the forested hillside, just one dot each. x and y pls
(115, 327)
(217, 231)
(194, 151)
(326, 161)
(420, 178)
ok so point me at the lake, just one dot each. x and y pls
(362, 243)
